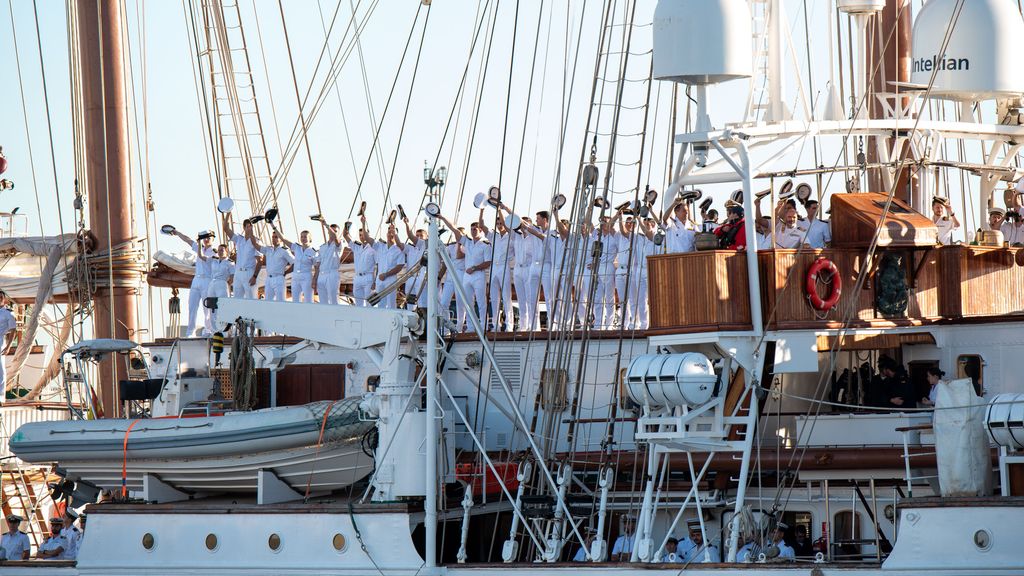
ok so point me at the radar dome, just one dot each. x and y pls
(702, 41)
(981, 60)
(860, 6)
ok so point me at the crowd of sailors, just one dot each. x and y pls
(62, 543)
(692, 548)
(586, 274)
(596, 270)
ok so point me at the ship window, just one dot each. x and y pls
(211, 542)
(274, 542)
(972, 366)
(148, 541)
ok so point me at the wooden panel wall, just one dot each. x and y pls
(707, 291)
(981, 281)
(699, 291)
(780, 268)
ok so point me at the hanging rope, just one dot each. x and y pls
(243, 367)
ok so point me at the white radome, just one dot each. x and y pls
(982, 58)
(860, 6)
(702, 41)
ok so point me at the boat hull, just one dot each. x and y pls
(316, 447)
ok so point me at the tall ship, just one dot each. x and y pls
(768, 324)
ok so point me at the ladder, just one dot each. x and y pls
(24, 493)
(757, 101)
(241, 149)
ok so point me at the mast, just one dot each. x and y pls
(105, 173)
(889, 47)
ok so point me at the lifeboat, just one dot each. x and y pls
(316, 447)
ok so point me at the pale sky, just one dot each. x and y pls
(179, 168)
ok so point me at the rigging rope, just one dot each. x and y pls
(862, 277)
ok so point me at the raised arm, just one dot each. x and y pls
(480, 223)
(287, 243)
(185, 239)
(499, 222)
(670, 211)
(458, 233)
(563, 229)
(531, 229)
(410, 237)
(229, 232)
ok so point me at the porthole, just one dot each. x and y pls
(148, 541)
(339, 542)
(983, 540)
(211, 542)
(274, 542)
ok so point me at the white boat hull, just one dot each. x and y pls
(298, 444)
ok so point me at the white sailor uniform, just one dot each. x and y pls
(196, 292)
(1013, 233)
(819, 233)
(73, 536)
(697, 555)
(448, 290)
(644, 247)
(548, 267)
(220, 272)
(475, 283)
(785, 550)
(365, 259)
(786, 237)
(278, 258)
(245, 267)
(604, 296)
(415, 285)
(53, 543)
(680, 237)
(393, 256)
(501, 279)
(747, 553)
(526, 295)
(530, 273)
(13, 545)
(627, 278)
(302, 275)
(582, 276)
(328, 272)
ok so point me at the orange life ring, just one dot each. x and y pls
(811, 285)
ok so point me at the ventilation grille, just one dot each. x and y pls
(510, 364)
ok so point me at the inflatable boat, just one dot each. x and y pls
(317, 446)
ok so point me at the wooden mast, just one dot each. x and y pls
(106, 170)
(889, 55)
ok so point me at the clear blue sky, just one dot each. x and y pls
(179, 168)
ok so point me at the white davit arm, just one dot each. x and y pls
(351, 327)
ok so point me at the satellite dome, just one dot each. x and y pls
(702, 41)
(981, 60)
(861, 6)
